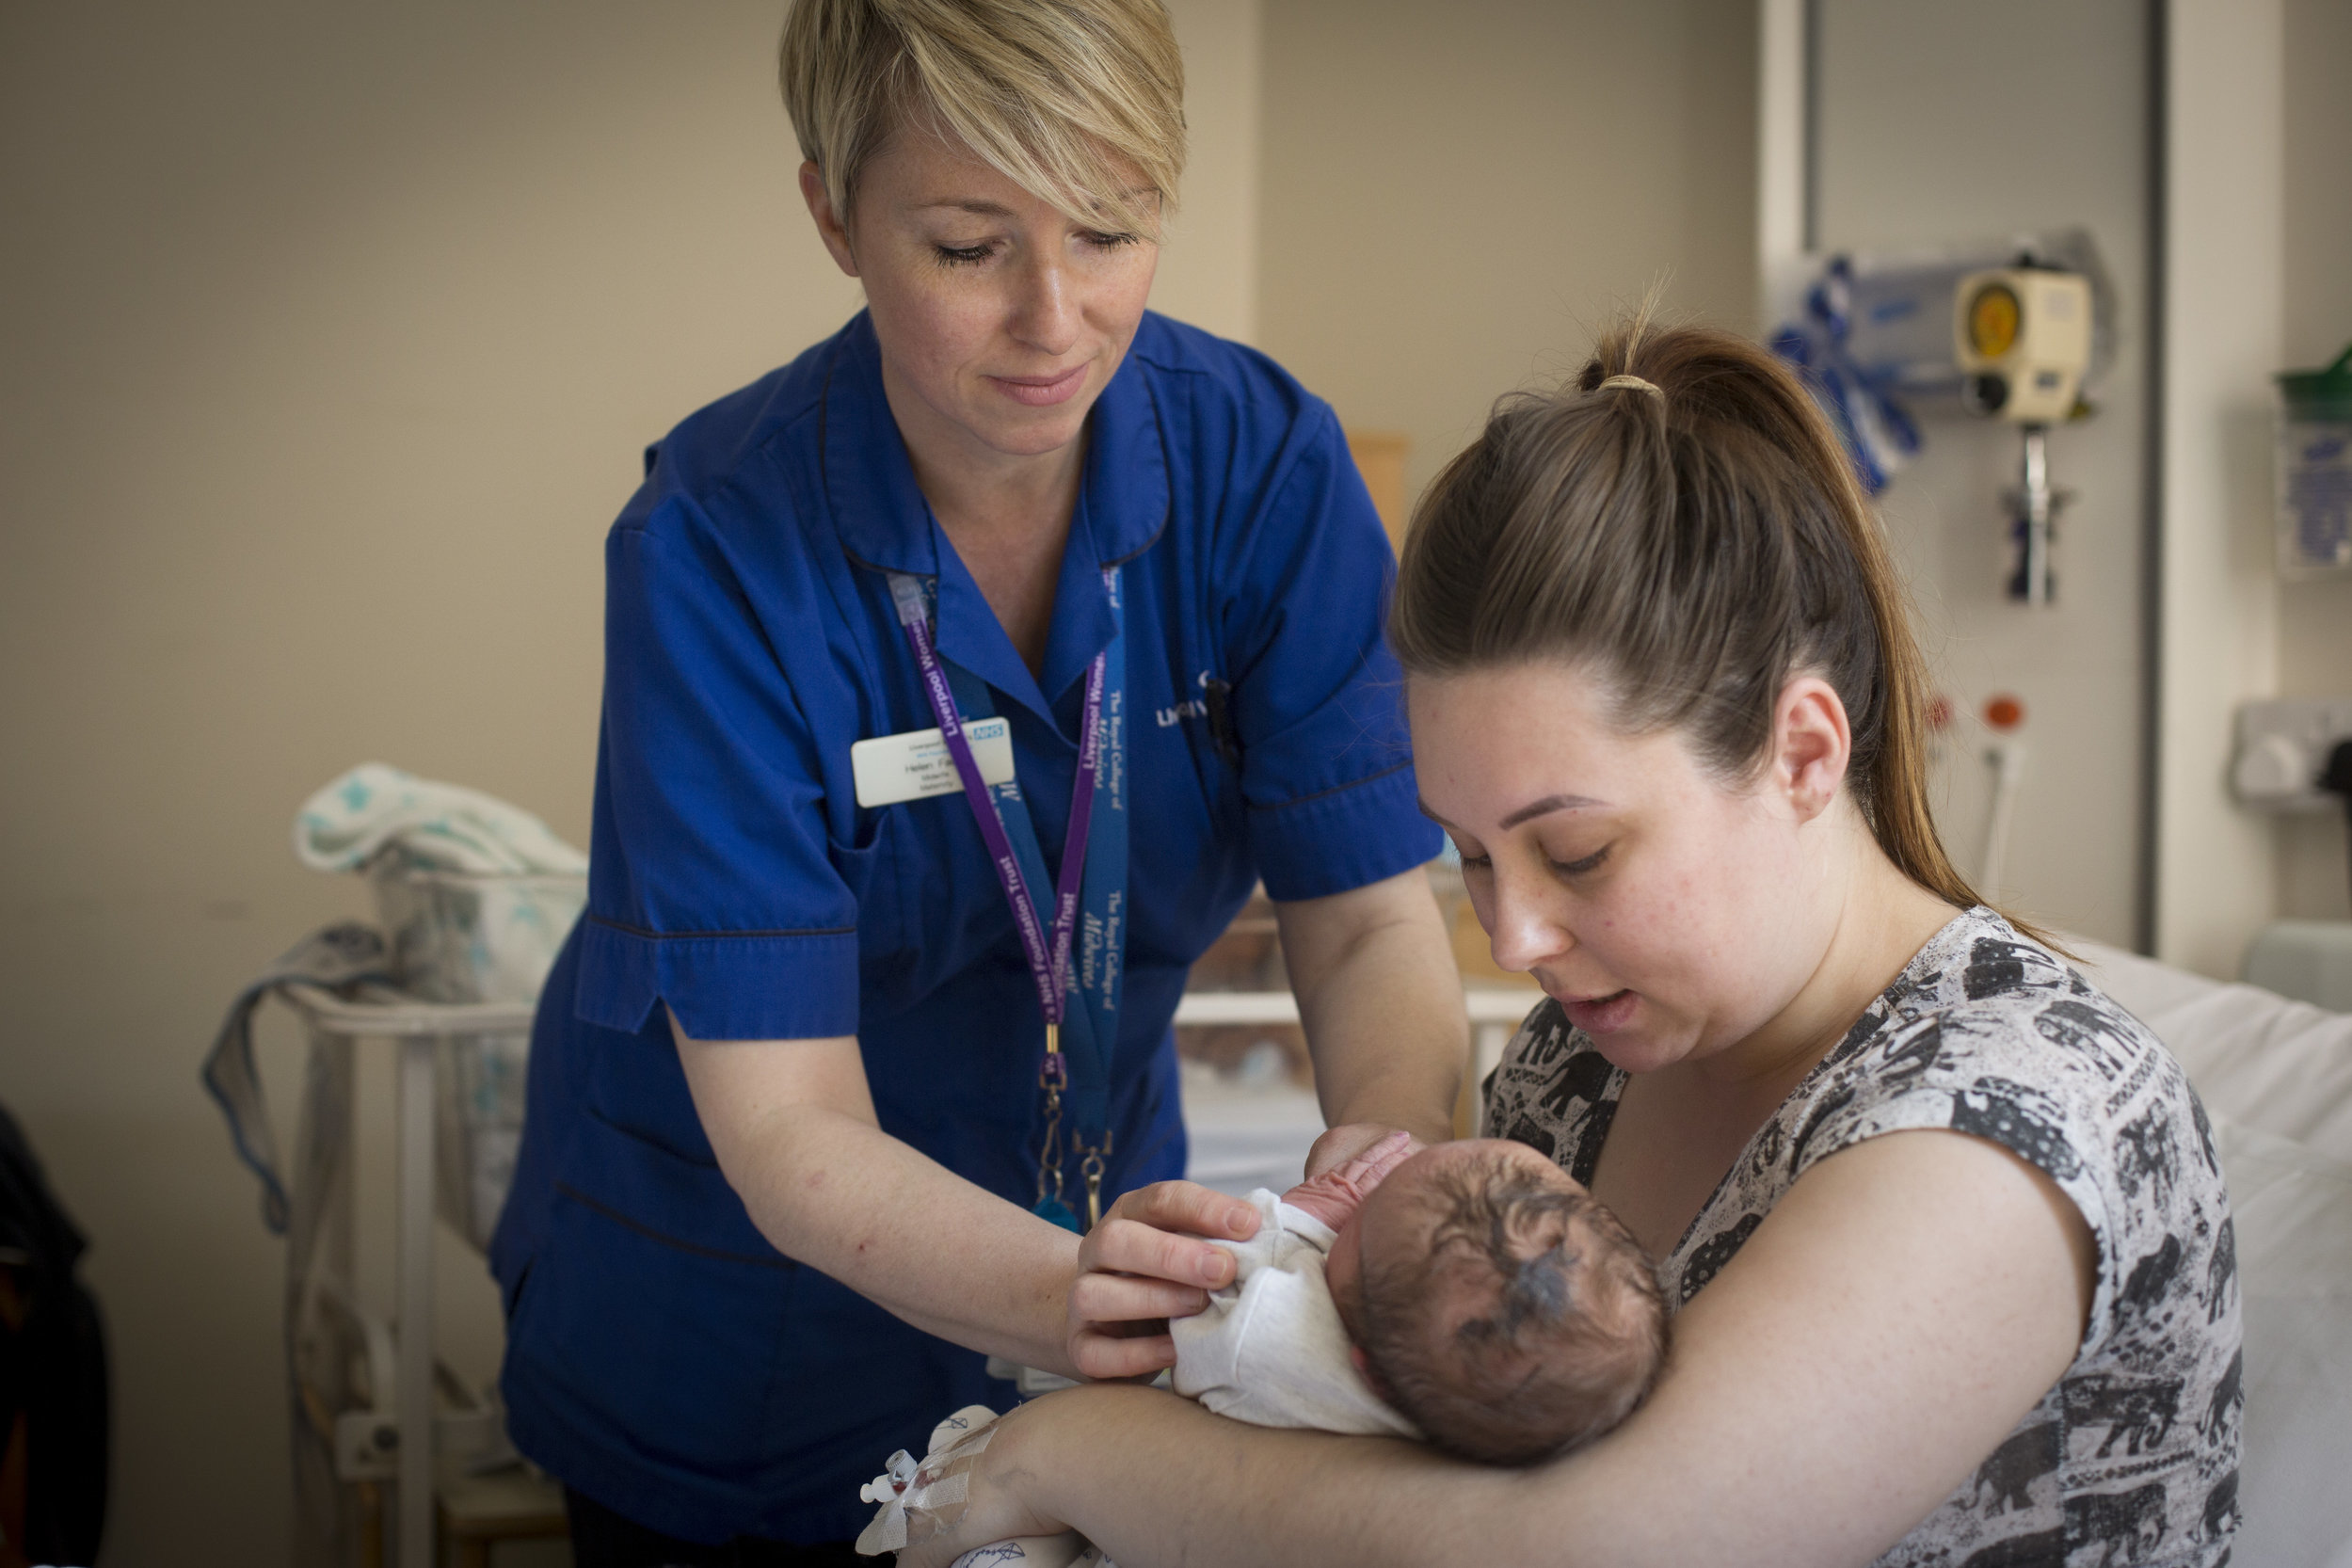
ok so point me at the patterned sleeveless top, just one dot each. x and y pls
(2133, 1457)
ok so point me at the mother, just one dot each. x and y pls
(857, 1022)
(1946, 1227)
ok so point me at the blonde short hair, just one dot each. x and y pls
(1055, 95)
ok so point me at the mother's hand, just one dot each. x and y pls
(993, 1507)
(1144, 1264)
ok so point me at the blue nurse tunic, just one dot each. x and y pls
(662, 1357)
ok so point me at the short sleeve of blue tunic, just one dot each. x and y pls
(737, 883)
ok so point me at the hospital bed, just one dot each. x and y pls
(2275, 1074)
(2276, 1077)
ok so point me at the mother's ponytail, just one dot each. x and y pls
(1681, 520)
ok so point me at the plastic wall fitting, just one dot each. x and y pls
(2282, 748)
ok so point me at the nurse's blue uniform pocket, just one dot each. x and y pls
(662, 1326)
(664, 1348)
(852, 1385)
(873, 869)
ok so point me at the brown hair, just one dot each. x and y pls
(1681, 520)
(1055, 95)
(1569, 1332)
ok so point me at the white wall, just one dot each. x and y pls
(332, 338)
(2260, 235)
(1925, 139)
(2225, 279)
(2315, 618)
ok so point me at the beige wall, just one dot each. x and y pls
(332, 338)
(1209, 271)
(1455, 196)
(2315, 618)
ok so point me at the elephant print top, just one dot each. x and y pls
(2133, 1457)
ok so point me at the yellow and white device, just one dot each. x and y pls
(2023, 339)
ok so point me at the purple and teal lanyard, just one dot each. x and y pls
(1088, 917)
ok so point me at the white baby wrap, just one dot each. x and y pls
(1270, 1348)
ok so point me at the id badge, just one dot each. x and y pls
(918, 765)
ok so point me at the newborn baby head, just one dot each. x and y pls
(1495, 1304)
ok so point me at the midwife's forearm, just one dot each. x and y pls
(1381, 1002)
(839, 1194)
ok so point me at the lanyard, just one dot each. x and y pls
(1087, 917)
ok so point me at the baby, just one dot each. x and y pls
(1472, 1293)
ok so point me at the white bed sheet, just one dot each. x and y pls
(2276, 1076)
(2278, 1066)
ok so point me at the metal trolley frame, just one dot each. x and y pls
(418, 1030)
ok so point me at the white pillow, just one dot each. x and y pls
(2292, 1213)
(2263, 1062)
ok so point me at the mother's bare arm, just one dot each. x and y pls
(1907, 1303)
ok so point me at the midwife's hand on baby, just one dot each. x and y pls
(1335, 1195)
(1144, 1264)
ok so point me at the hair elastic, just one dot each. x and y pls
(1637, 383)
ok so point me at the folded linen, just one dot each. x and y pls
(375, 808)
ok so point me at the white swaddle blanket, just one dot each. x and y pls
(1270, 1348)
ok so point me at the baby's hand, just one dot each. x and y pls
(1335, 1196)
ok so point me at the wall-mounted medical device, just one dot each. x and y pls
(2005, 756)
(2018, 329)
(2021, 338)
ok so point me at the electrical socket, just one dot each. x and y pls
(466, 1441)
(367, 1446)
(2281, 747)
